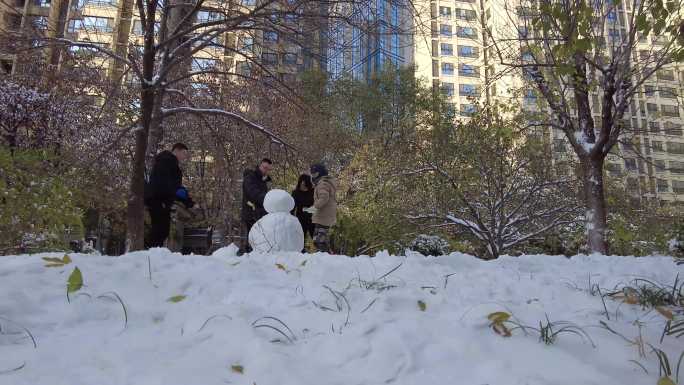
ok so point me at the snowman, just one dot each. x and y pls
(278, 230)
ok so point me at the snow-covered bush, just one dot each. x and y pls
(430, 245)
(37, 209)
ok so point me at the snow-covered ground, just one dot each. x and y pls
(345, 324)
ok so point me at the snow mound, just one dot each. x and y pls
(277, 232)
(278, 201)
(302, 319)
(226, 252)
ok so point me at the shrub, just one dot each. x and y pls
(430, 245)
(37, 209)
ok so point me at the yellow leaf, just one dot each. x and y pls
(422, 305)
(52, 259)
(665, 312)
(66, 259)
(499, 317)
(176, 298)
(666, 381)
(281, 266)
(237, 369)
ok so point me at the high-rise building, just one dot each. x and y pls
(115, 24)
(456, 54)
(375, 35)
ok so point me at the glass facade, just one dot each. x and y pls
(361, 53)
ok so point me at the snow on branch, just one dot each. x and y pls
(231, 115)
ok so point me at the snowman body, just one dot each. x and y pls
(278, 230)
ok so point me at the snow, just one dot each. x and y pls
(348, 325)
(277, 230)
(278, 201)
(583, 141)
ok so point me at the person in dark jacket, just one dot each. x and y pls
(303, 196)
(163, 189)
(254, 188)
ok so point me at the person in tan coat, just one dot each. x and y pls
(324, 208)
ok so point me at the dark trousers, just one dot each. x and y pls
(321, 238)
(245, 226)
(160, 216)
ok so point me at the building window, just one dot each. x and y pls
(467, 51)
(40, 22)
(269, 58)
(670, 111)
(446, 49)
(42, 3)
(468, 70)
(675, 148)
(246, 45)
(649, 91)
(468, 90)
(447, 68)
(631, 164)
(465, 14)
(244, 68)
(657, 146)
(271, 36)
(206, 16)
(468, 109)
(652, 108)
(659, 165)
(665, 75)
(663, 186)
(445, 30)
(673, 129)
(448, 89)
(93, 23)
(290, 58)
(668, 92)
(678, 186)
(445, 12)
(101, 3)
(249, 3)
(654, 127)
(466, 32)
(202, 64)
(676, 167)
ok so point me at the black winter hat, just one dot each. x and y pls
(319, 169)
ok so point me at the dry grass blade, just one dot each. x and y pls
(28, 332)
(277, 320)
(635, 362)
(369, 306)
(276, 329)
(214, 317)
(117, 298)
(13, 370)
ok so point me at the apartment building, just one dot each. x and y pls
(115, 24)
(455, 55)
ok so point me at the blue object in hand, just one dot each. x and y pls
(182, 193)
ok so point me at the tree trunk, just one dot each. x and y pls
(594, 196)
(135, 237)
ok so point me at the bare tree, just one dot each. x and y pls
(570, 49)
(493, 182)
(179, 42)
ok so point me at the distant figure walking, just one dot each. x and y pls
(255, 185)
(324, 208)
(163, 189)
(303, 196)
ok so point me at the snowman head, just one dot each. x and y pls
(278, 201)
